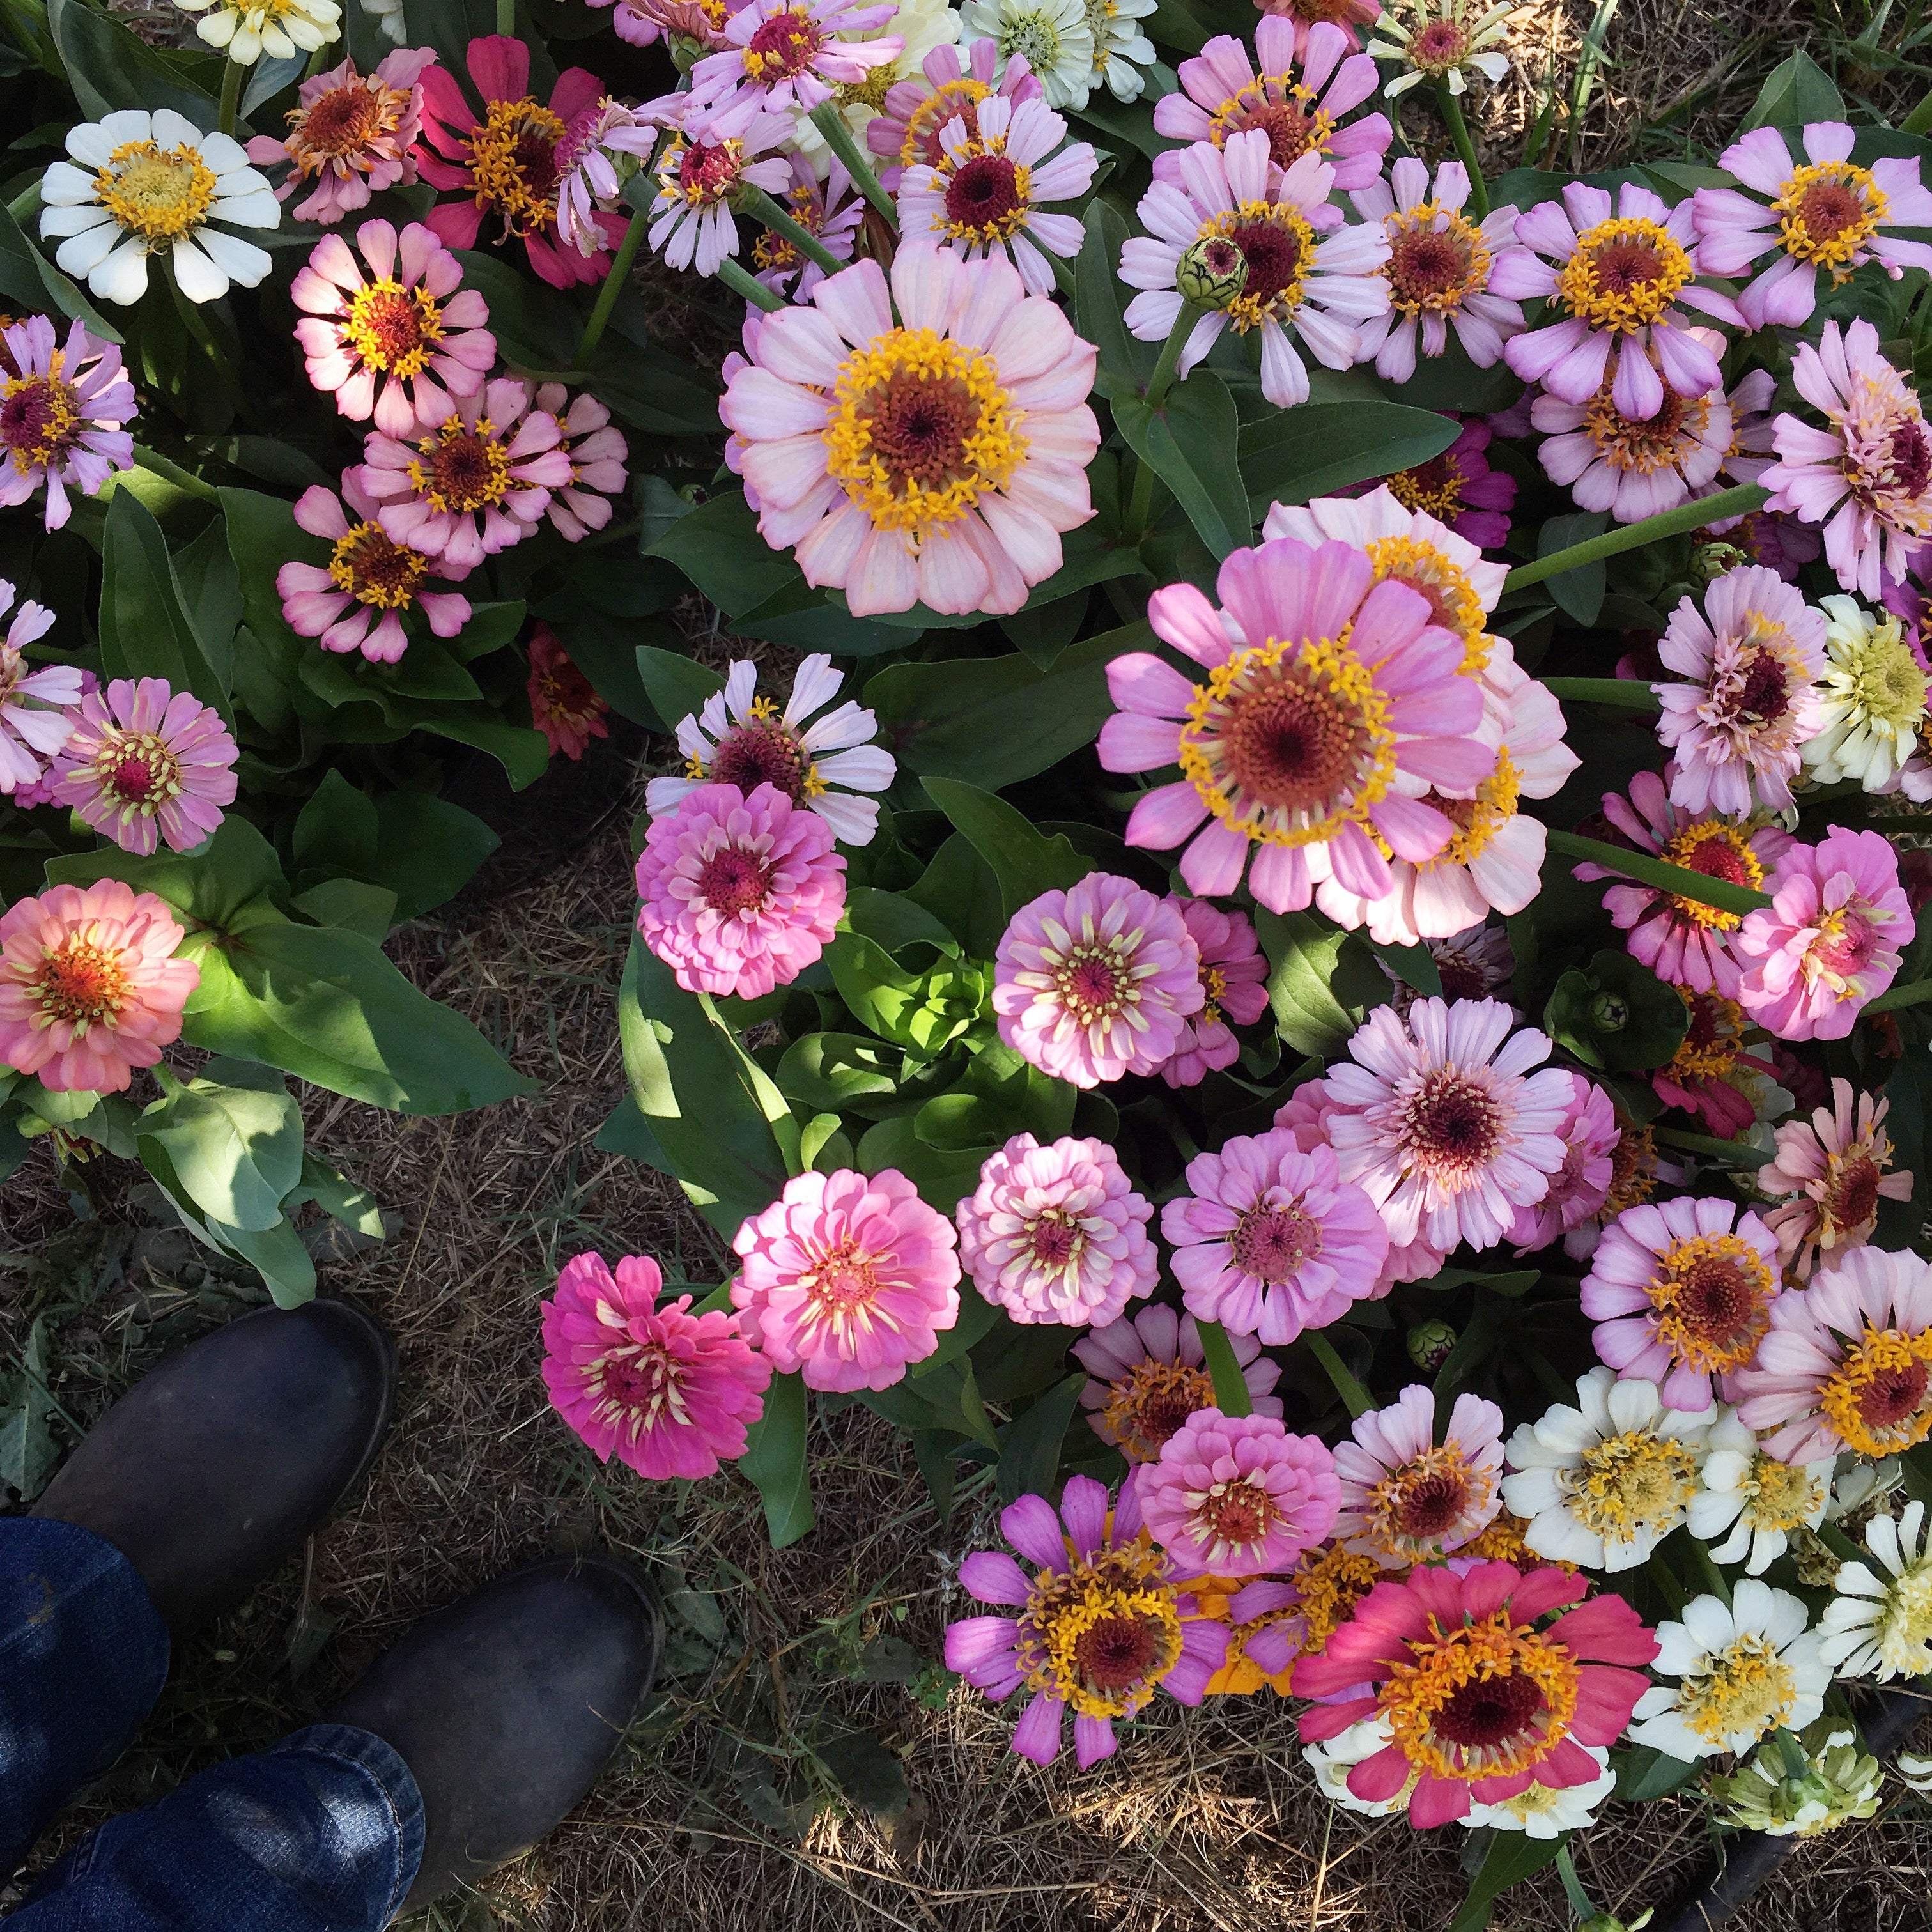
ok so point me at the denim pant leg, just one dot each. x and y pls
(83, 1654)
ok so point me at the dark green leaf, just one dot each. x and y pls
(236, 879)
(1579, 593)
(1512, 1857)
(426, 849)
(27, 1452)
(1616, 1015)
(677, 686)
(1643, 1775)
(336, 831)
(718, 548)
(1292, 456)
(368, 910)
(1025, 863)
(144, 630)
(865, 1772)
(30, 279)
(959, 887)
(1187, 440)
(1796, 91)
(1908, 1096)
(827, 1072)
(1125, 364)
(1030, 1446)
(108, 66)
(775, 1459)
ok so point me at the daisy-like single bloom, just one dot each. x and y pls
(700, 177)
(1099, 1624)
(1580, 1187)
(1633, 468)
(1744, 1670)
(1447, 40)
(921, 28)
(1322, 289)
(934, 460)
(1096, 982)
(1604, 1484)
(786, 56)
(1848, 1363)
(667, 1392)
(350, 135)
(1406, 1499)
(1871, 708)
(818, 757)
(1057, 1234)
(1459, 490)
(1234, 986)
(1055, 38)
(387, 327)
(1615, 274)
(1681, 1292)
(1305, 16)
(1867, 477)
(1269, 1241)
(564, 706)
(147, 765)
(1236, 1495)
(740, 892)
(831, 209)
(1827, 213)
(597, 454)
(1751, 1503)
(1322, 693)
(245, 30)
(469, 482)
(36, 715)
(1879, 1622)
(951, 83)
(356, 601)
(1680, 940)
(1120, 48)
(1711, 1076)
(1830, 1172)
(1483, 1698)
(1439, 1118)
(848, 1277)
(1147, 1376)
(62, 408)
(1544, 1811)
(89, 987)
(150, 185)
(1830, 940)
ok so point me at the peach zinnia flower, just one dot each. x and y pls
(349, 133)
(564, 705)
(1830, 1172)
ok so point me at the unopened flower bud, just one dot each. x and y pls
(1429, 1343)
(1710, 560)
(1212, 272)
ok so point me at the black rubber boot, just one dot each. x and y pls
(508, 1704)
(215, 1466)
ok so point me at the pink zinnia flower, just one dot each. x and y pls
(36, 717)
(1236, 1495)
(596, 453)
(1735, 726)
(670, 1393)
(1579, 1187)
(1831, 1174)
(1633, 468)
(590, 185)
(61, 413)
(1096, 982)
(1681, 1291)
(1147, 1376)
(564, 705)
(1296, 744)
(1458, 489)
(848, 1277)
(1102, 1623)
(700, 176)
(1233, 985)
(147, 764)
(643, 22)
(350, 134)
(1440, 1120)
(740, 894)
(89, 987)
(1830, 940)
(1305, 15)
(1269, 1241)
(1829, 213)
(1406, 1501)
(951, 83)
(1057, 1234)
(831, 210)
(1481, 1703)
(783, 55)
(1867, 477)
(356, 601)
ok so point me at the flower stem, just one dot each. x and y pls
(1665, 1578)
(1678, 881)
(506, 17)
(1162, 380)
(1459, 133)
(1909, 994)
(1733, 1153)
(1355, 1398)
(829, 122)
(612, 287)
(1140, 502)
(1738, 501)
(1628, 694)
(1231, 1387)
(795, 232)
(1701, 1555)
(233, 76)
(741, 281)
(158, 465)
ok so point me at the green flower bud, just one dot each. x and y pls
(685, 53)
(1429, 1343)
(1839, 1781)
(1212, 272)
(1609, 1014)
(1710, 561)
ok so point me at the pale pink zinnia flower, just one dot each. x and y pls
(350, 134)
(1096, 982)
(1830, 940)
(62, 409)
(700, 176)
(1633, 468)
(1056, 1233)
(147, 765)
(89, 987)
(1404, 1499)
(596, 453)
(1234, 986)
(739, 894)
(1147, 1376)
(1238, 1496)
(1848, 1363)
(1831, 1174)
(779, 55)
(887, 497)
(951, 83)
(831, 210)
(848, 1277)
(36, 716)
(1269, 1241)
(1579, 1188)
(590, 185)
(668, 1392)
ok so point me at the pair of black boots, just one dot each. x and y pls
(505, 1705)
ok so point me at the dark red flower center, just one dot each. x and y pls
(781, 46)
(1273, 258)
(37, 418)
(1291, 748)
(1853, 1199)
(707, 169)
(1849, 950)
(1454, 1124)
(1717, 1301)
(1489, 1711)
(1291, 131)
(133, 778)
(983, 193)
(1911, 464)
(1462, 978)
(1624, 266)
(1766, 695)
(1426, 263)
(918, 427)
(733, 882)
(1271, 1243)
(342, 120)
(763, 752)
(1115, 1653)
(1432, 1504)
(1827, 208)
(1238, 1514)
(1717, 857)
(1892, 1394)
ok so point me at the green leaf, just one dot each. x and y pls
(27, 1452)
(1231, 1393)
(1304, 956)
(1908, 1096)
(144, 630)
(523, 755)
(1797, 91)
(999, 1095)
(1030, 1446)
(108, 66)
(775, 1459)
(1292, 456)
(1679, 880)
(426, 849)
(1644, 1774)
(1125, 364)
(276, 1253)
(870, 1775)
(234, 1137)
(338, 1197)
(1512, 1857)
(1579, 593)
(1615, 1014)
(31, 280)
(350, 904)
(960, 888)
(677, 686)
(336, 831)
(227, 885)
(1187, 440)
(827, 1072)
(1025, 863)
(718, 548)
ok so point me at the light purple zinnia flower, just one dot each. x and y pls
(1405, 1499)
(1238, 1496)
(1233, 983)
(147, 764)
(1147, 1376)
(35, 718)
(1579, 1187)
(61, 413)
(786, 55)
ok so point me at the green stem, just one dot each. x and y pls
(801, 237)
(1729, 1152)
(506, 17)
(741, 281)
(612, 287)
(1738, 501)
(1140, 502)
(1679, 880)
(318, 60)
(1162, 380)
(1574, 1895)
(1919, 120)
(231, 78)
(1713, 1576)
(1355, 1398)
(1459, 133)
(1628, 694)
(158, 465)
(1665, 1578)
(1908, 995)
(829, 122)
(1843, 1547)
(1230, 1386)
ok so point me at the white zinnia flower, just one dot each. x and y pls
(1052, 36)
(1757, 1499)
(1874, 699)
(1332, 1759)
(1549, 1810)
(1441, 44)
(247, 29)
(1117, 39)
(388, 15)
(1880, 1623)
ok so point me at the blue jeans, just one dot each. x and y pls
(322, 1833)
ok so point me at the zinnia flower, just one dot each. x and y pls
(1459, 490)
(1542, 1810)
(670, 1393)
(1481, 1702)
(1872, 709)
(905, 131)
(590, 185)
(1269, 1241)
(1404, 1500)
(1879, 1622)
(1443, 41)
(564, 705)
(830, 210)
(849, 1277)
(1757, 1499)
(1057, 1234)
(245, 30)
(1838, 1781)
(1147, 1375)
(1633, 467)
(1236, 1495)
(350, 134)
(847, 451)
(1579, 1188)
(783, 55)
(1305, 16)
(700, 177)
(1102, 1622)
(61, 411)
(1831, 1173)
(642, 22)
(1056, 39)
(1333, 1760)
(89, 987)
(1233, 985)
(596, 453)
(1710, 1076)
(920, 27)
(740, 893)
(1094, 982)
(147, 764)
(35, 717)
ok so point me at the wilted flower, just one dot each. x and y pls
(564, 705)
(61, 413)
(1836, 1782)
(350, 134)
(596, 453)
(1444, 42)
(146, 765)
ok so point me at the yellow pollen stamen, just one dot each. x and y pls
(1623, 274)
(1630, 1483)
(1813, 191)
(1745, 1687)
(1783, 1495)
(1730, 845)
(1103, 1633)
(1435, 576)
(1330, 1582)
(461, 469)
(160, 194)
(513, 164)
(1151, 1402)
(393, 329)
(1279, 246)
(45, 406)
(81, 983)
(374, 569)
(1879, 1397)
(1712, 1294)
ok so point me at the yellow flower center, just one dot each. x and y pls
(1214, 990)
(39, 416)
(1633, 1170)
(156, 194)
(871, 92)
(1878, 674)
(1102, 1634)
(375, 570)
(1434, 488)
(1443, 584)
(1712, 1294)
(461, 469)
(1878, 1398)
(1477, 819)
(1719, 851)
(958, 99)
(1747, 1687)
(513, 164)
(79, 982)
(1279, 247)
(1623, 274)
(1412, 1509)
(1782, 1496)
(1632, 1483)
(393, 329)
(1711, 1040)
(1827, 213)
(1330, 1582)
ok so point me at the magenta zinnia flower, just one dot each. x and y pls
(668, 1392)
(1831, 1174)
(147, 764)
(1579, 1187)
(89, 987)
(1236, 1495)
(1406, 1501)
(1831, 939)
(62, 409)
(1459, 488)
(36, 716)
(740, 894)
(350, 134)
(1633, 468)
(596, 452)
(780, 55)
(951, 83)
(1269, 1241)
(1096, 982)
(848, 1277)
(1147, 1376)
(1234, 986)
(1100, 1624)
